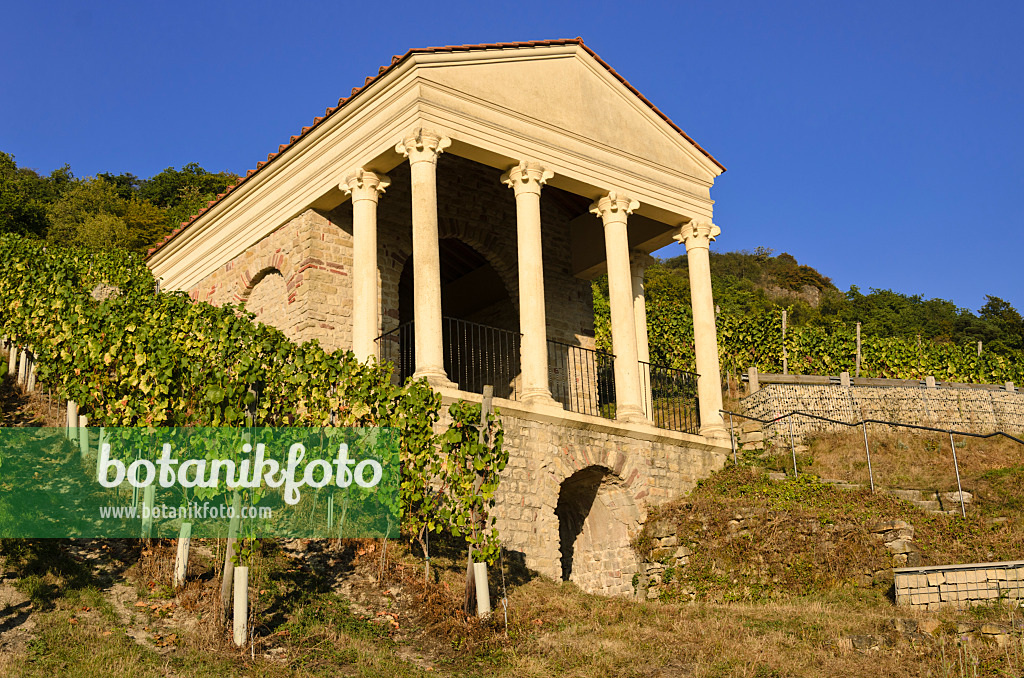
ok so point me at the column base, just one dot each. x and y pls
(540, 397)
(715, 431)
(633, 414)
(435, 377)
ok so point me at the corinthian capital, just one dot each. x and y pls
(423, 146)
(614, 207)
(526, 177)
(696, 234)
(364, 185)
(639, 261)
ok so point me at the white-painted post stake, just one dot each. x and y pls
(99, 448)
(732, 439)
(792, 446)
(956, 466)
(483, 593)
(181, 560)
(785, 354)
(867, 450)
(23, 368)
(330, 512)
(31, 385)
(752, 385)
(83, 435)
(12, 359)
(72, 420)
(229, 553)
(857, 373)
(241, 608)
(148, 499)
(979, 349)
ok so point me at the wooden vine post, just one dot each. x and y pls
(476, 577)
(229, 554)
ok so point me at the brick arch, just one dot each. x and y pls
(476, 237)
(258, 269)
(484, 241)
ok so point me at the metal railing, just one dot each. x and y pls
(398, 347)
(582, 379)
(476, 355)
(669, 397)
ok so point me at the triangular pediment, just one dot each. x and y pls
(572, 93)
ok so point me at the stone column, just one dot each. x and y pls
(614, 210)
(422, 149)
(697, 236)
(638, 263)
(365, 188)
(526, 179)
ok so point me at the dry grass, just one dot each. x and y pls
(906, 459)
(554, 629)
(578, 635)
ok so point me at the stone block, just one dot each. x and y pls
(976, 576)
(935, 578)
(956, 577)
(900, 546)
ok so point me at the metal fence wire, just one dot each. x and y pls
(867, 449)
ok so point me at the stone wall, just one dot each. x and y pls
(574, 483)
(932, 588)
(963, 409)
(297, 279)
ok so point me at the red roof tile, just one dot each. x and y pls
(395, 60)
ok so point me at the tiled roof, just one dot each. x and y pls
(395, 60)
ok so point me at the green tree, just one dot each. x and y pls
(20, 209)
(1007, 321)
(166, 188)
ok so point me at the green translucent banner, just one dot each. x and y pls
(257, 482)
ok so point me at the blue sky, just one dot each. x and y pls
(879, 142)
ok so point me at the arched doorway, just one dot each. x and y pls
(594, 524)
(480, 323)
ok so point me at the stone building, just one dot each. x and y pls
(449, 216)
